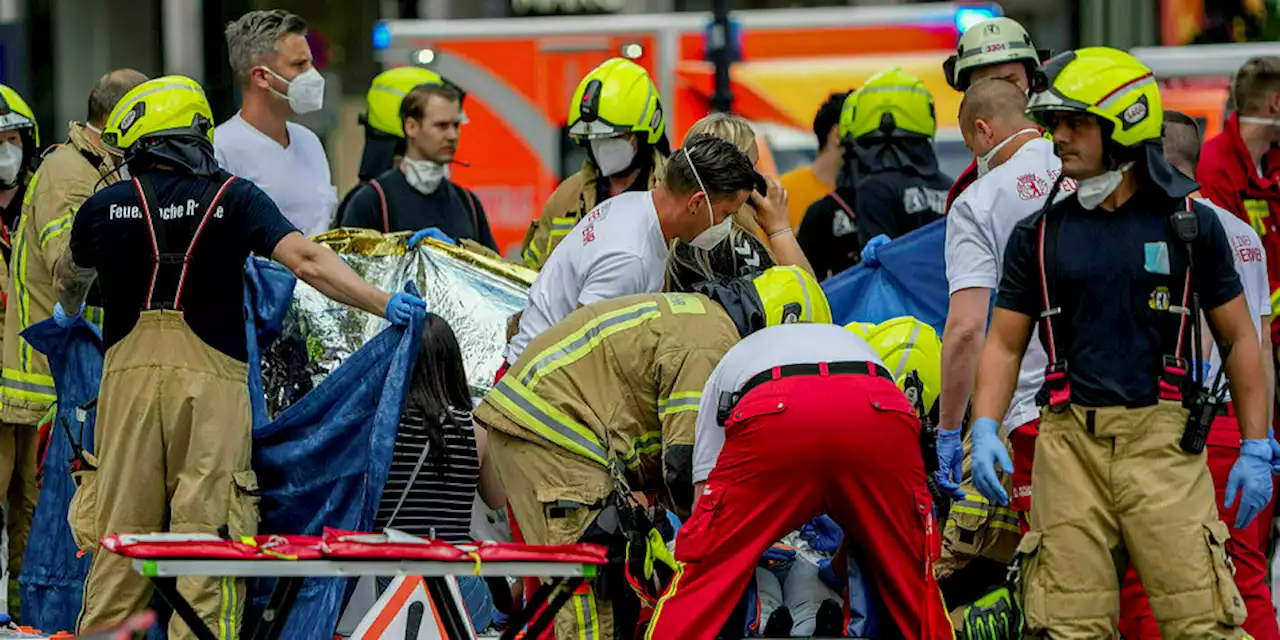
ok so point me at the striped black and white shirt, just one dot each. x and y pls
(439, 497)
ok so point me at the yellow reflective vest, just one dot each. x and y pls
(618, 382)
(66, 178)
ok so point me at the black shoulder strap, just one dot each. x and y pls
(464, 194)
(150, 208)
(1049, 257)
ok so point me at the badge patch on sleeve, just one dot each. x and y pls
(1156, 258)
(1159, 299)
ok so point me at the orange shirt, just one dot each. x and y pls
(803, 189)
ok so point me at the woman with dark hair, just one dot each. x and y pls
(435, 463)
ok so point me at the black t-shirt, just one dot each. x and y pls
(1117, 273)
(449, 208)
(828, 234)
(110, 234)
(896, 202)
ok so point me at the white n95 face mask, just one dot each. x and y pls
(306, 90)
(714, 234)
(984, 161)
(613, 155)
(424, 175)
(10, 164)
(1092, 191)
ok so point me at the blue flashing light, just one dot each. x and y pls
(381, 36)
(969, 16)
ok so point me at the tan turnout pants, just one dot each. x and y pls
(542, 485)
(173, 449)
(18, 464)
(1112, 485)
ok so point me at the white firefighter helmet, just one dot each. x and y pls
(993, 41)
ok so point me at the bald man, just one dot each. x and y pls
(65, 179)
(1016, 168)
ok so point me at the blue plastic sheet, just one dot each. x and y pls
(268, 292)
(52, 579)
(911, 280)
(324, 461)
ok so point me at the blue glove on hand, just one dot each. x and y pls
(823, 534)
(1251, 478)
(950, 458)
(869, 251)
(777, 554)
(987, 451)
(430, 232)
(400, 308)
(62, 318)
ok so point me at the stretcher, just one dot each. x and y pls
(165, 557)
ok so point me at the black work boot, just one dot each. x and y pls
(779, 624)
(830, 620)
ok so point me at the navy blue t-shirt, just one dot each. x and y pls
(1117, 274)
(110, 234)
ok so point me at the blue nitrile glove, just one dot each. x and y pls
(777, 554)
(869, 251)
(987, 451)
(950, 459)
(62, 318)
(400, 308)
(430, 232)
(1251, 477)
(1275, 450)
(823, 534)
(828, 575)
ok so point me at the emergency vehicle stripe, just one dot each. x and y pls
(54, 229)
(679, 402)
(545, 420)
(27, 386)
(579, 343)
(671, 591)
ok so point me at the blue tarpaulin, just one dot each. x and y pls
(52, 577)
(324, 462)
(911, 280)
(352, 415)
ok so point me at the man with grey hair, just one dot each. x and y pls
(66, 178)
(272, 62)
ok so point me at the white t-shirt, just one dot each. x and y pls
(616, 250)
(295, 177)
(978, 229)
(1251, 264)
(771, 347)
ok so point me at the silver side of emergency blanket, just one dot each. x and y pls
(471, 288)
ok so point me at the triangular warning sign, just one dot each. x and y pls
(406, 611)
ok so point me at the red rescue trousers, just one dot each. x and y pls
(1246, 548)
(795, 448)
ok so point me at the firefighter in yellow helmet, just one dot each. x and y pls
(384, 140)
(1116, 274)
(796, 421)
(19, 155)
(168, 249)
(67, 176)
(617, 115)
(577, 425)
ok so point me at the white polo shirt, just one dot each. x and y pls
(1250, 259)
(978, 229)
(296, 177)
(763, 350)
(616, 250)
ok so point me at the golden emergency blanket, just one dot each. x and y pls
(474, 292)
